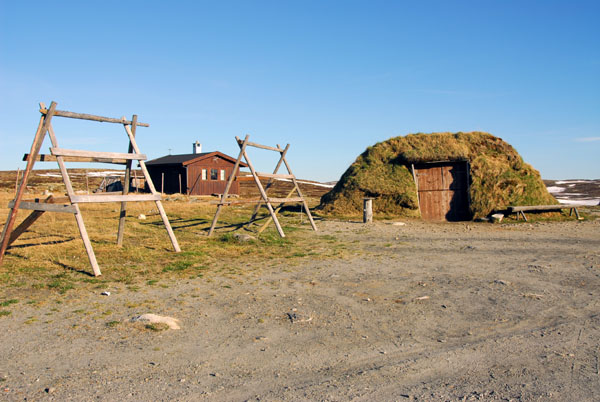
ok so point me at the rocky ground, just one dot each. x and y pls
(420, 311)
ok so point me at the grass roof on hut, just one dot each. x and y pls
(499, 176)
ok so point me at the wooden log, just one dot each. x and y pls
(85, 116)
(95, 154)
(159, 206)
(91, 198)
(275, 175)
(297, 187)
(242, 145)
(367, 210)
(52, 158)
(46, 207)
(255, 145)
(257, 200)
(126, 181)
(270, 183)
(557, 207)
(264, 226)
(27, 222)
(38, 139)
(263, 194)
(78, 217)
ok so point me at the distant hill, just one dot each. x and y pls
(575, 191)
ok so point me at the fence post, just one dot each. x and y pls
(367, 210)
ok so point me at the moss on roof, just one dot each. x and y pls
(499, 176)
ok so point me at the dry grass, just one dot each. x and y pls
(499, 176)
(50, 258)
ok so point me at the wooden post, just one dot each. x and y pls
(87, 183)
(229, 182)
(159, 206)
(17, 181)
(162, 183)
(35, 149)
(126, 181)
(179, 183)
(269, 184)
(297, 186)
(78, 217)
(135, 180)
(367, 210)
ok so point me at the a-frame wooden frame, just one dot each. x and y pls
(70, 204)
(263, 190)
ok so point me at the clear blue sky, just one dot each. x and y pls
(331, 78)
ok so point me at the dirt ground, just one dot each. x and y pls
(421, 311)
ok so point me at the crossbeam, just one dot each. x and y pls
(46, 207)
(85, 116)
(91, 198)
(52, 158)
(95, 154)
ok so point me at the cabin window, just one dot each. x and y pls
(214, 174)
(222, 174)
(203, 174)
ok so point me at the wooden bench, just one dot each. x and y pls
(520, 210)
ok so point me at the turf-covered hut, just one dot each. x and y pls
(199, 173)
(438, 176)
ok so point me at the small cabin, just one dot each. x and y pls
(198, 173)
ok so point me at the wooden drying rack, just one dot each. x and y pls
(263, 191)
(70, 204)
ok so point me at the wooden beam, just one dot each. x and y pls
(275, 175)
(52, 158)
(159, 205)
(27, 222)
(540, 207)
(84, 116)
(94, 154)
(242, 145)
(38, 139)
(42, 206)
(90, 198)
(126, 182)
(255, 145)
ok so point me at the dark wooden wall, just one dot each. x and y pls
(443, 191)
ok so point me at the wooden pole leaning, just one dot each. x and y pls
(78, 218)
(297, 187)
(229, 182)
(263, 194)
(159, 206)
(126, 181)
(38, 139)
(270, 183)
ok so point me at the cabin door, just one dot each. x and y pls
(443, 189)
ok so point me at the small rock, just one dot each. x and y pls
(105, 293)
(50, 390)
(243, 238)
(141, 217)
(173, 323)
(502, 282)
(497, 218)
(398, 224)
(422, 298)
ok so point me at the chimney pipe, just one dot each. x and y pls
(197, 147)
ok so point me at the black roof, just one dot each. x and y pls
(175, 159)
(182, 159)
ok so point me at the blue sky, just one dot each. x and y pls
(330, 78)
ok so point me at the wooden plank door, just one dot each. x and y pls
(443, 191)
